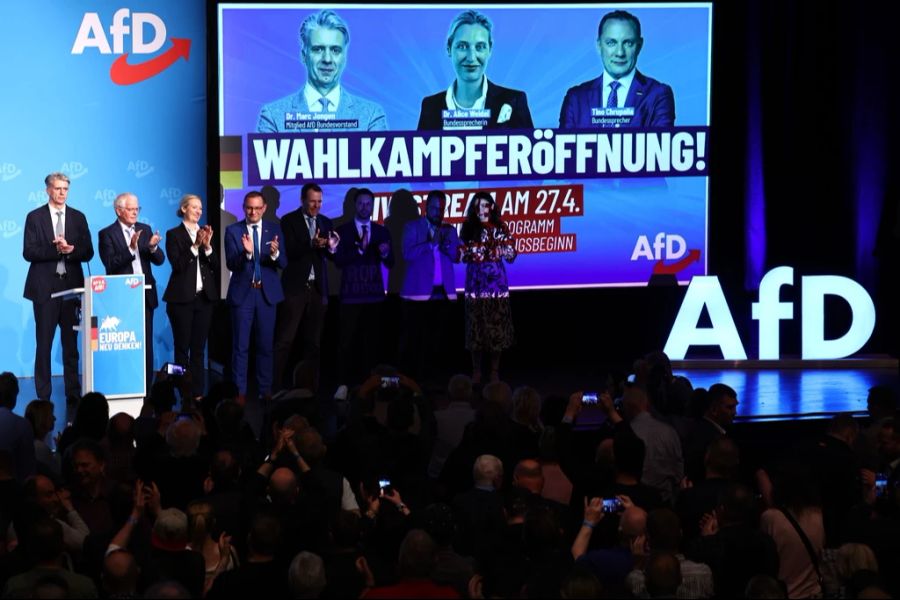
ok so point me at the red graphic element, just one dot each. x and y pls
(98, 284)
(133, 282)
(123, 73)
(660, 268)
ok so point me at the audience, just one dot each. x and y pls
(464, 491)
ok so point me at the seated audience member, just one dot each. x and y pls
(260, 575)
(39, 413)
(479, 511)
(664, 536)
(16, 434)
(306, 576)
(796, 505)
(611, 565)
(90, 487)
(47, 552)
(721, 468)
(415, 564)
(731, 543)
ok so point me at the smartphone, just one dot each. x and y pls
(613, 505)
(630, 378)
(384, 485)
(173, 369)
(390, 382)
(881, 483)
(589, 398)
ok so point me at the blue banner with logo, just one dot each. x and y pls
(116, 325)
(114, 95)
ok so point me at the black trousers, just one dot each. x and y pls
(47, 317)
(190, 329)
(360, 340)
(303, 312)
(423, 347)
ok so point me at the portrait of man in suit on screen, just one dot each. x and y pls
(322, 104)
(621, 96)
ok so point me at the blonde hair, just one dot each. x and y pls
(527, 407)
(184, 202)
(852, 558)
(201, 522)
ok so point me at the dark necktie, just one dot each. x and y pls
(613, 100)
(365, 237)
(257, 275)
(60, 232)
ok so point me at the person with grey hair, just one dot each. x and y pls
(306, 576)
(169, 558)
(56, 241)
(193, 288)
(472, 101)
(322, 103)
(479, 511)
(128, 247)
(452, 421)
(415, 564)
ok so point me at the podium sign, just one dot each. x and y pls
(114, 336)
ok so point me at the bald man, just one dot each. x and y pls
(128, 247)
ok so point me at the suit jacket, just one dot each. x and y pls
(653, 102)
(117, 256)
(301, 256)
(369, 114)
(361, 277)
(430, 117)
(182, 285)
(241, 267)
(38, 249)
(420, 259)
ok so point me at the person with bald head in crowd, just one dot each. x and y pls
(129, 247)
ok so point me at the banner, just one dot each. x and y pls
(113, 94)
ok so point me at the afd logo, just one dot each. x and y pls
(38, 197)
(74, 169)
(106, 197)
(140, 168)
(9, 228)
(92, 34)
(172, 195)
(665, 246)
(133, 282)
(9, 171)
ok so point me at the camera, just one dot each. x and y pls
(589, 398)
(390, 382)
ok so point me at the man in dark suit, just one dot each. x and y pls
(472, 101)
(253, 255)
(309, 238)
(128, 247)
(367, 246)
(56, 241)
(622, 96)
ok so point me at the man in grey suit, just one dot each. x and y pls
(322, 104)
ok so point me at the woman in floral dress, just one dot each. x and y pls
(486, 243)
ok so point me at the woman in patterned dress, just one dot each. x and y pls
(486, 243)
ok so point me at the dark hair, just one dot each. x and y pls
(629, 451)
(91, 416)
(363, 192)
(723, 457)
(309, 187)
(254, 194)
(718, 392)
(9, 390)
(439, 194)
(265, 534)
(738, 504)
(663, 574)
(663, 530)
(471, 229)
(162, 396)
(46, 540)
(401, 413)
(88, 445)
(619, 15)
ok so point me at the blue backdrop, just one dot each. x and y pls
(61, 111)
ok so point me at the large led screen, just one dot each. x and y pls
(595, 144)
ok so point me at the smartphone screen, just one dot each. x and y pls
(589, 398)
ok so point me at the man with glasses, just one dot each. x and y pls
(56, 241)
(253, 255)
(128, 247)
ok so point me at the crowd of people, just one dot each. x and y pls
(639, 489)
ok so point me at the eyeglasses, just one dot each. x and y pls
(135, 209)
(254, 208)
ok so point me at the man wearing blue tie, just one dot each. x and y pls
(253, 255)
(622, 96)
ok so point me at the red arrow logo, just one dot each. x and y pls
(122, 73)
(660, 268)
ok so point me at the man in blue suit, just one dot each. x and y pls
(322, 104)
(622, 96)
(253, 255)
(128, 247)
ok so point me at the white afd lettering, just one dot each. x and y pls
(91, 33)
(667, 246)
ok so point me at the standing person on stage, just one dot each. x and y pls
(253, 255)
(56, 241)
(430, 249)
(128, 247)
(486, 243)
(193, 288)
(362, 286)
(309, 238)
